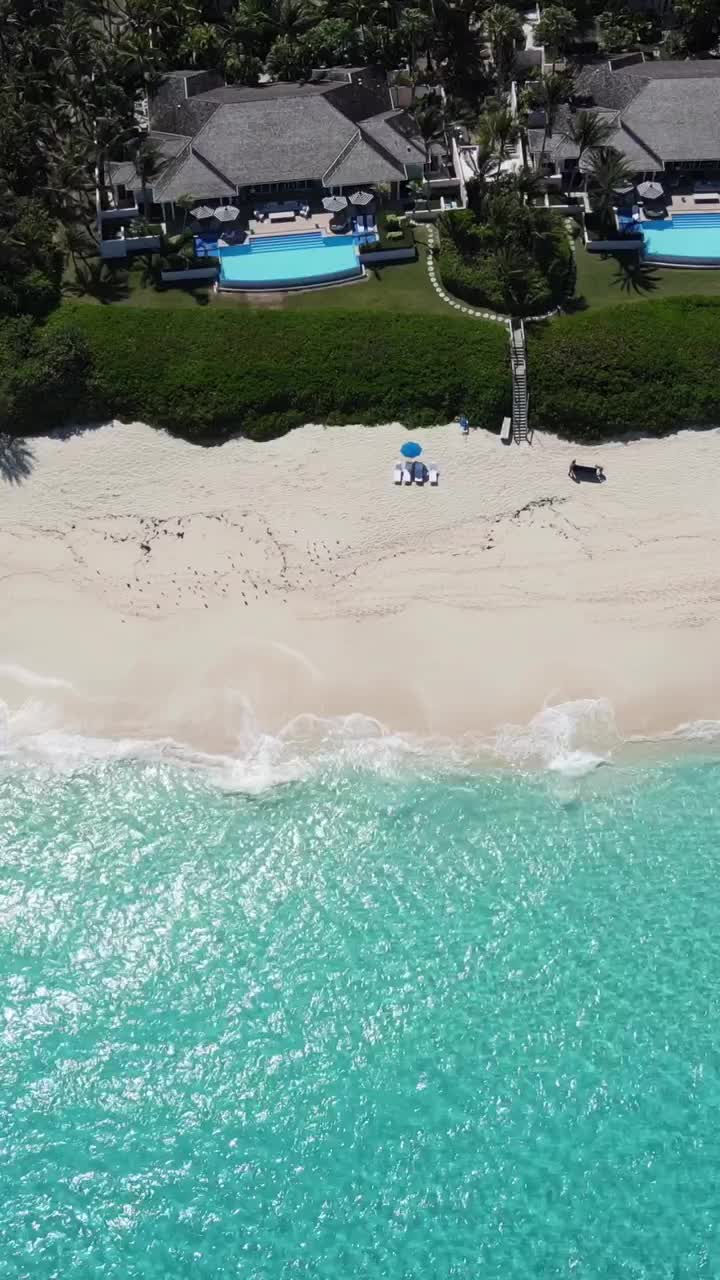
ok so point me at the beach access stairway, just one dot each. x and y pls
(520, 398)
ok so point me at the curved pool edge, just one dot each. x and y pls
(669, 260)
(292, 286)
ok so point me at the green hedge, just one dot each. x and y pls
(208, 373)
(651, 367)
(43, 375)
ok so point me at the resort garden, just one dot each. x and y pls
(505, 252)
(83, 338)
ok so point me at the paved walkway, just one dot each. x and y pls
(432, 240)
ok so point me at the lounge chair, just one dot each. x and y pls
(506, 431)
(434, 473)
(407, 475)
(397, 473)
(578, 473)
(419, 473)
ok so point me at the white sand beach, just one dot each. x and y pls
(152, 587)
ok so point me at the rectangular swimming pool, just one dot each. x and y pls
(685, 235)
(289, 261)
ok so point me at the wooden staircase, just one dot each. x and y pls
(520, 397)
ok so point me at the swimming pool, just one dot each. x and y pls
(289, 261)
(685, 237)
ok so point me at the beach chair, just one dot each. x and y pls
(506, 431)
(419, 474)
(397, 473)
(434, 473)
(407, 475)
(592, 475)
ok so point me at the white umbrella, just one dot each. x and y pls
(203, 211)
(227, 213)
(334, 204)
(361, 198)
(650, 191)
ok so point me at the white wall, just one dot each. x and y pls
(108, 215)
(388, 255)
(128, 244)
(195, 273)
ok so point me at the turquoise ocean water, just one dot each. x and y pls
(398, 1023)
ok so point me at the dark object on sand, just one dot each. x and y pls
(578, 473)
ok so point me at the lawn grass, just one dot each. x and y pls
(604, 280)
(400, 287)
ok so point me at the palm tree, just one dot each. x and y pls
(431, 127)
(200, 43)
(529, 184)
(588, 132)
(76, 243)
(185, 203)
(497, 135)
(148, 163)
(608, 173)
(359, 12)
(288, 59)
(556, 29)
(249, 27)
(291, 18)
(501, 28)
(550, 92)
(414, 28)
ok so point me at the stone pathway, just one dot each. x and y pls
(432, 241)
(453, 302)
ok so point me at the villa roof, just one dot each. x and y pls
(667, 110)
(677, 119)
(396, 133)
(361, 164)
(167, 145)
(190, 174)
(245, 136)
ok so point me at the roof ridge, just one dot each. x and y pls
(344, 151)
(375, 145)
(171, 167)
(641, 142)
(199, 155)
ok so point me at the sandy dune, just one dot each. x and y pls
(153, 587)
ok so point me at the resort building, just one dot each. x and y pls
(664, 114)
(221, 143)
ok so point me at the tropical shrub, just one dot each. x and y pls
(651, 366)
(30, 263)
(505, 253)
(43, 374)
(179, 370)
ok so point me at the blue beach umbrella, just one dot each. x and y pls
(411, 450)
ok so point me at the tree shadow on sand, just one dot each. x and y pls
(16, 459)
(635, 276)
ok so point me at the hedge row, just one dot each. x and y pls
(650, 366)
(205, 374)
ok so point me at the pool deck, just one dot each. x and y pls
(683, 204)
(316, 222)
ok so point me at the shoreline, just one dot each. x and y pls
(153, 589)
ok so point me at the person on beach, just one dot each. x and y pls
(464, 425)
